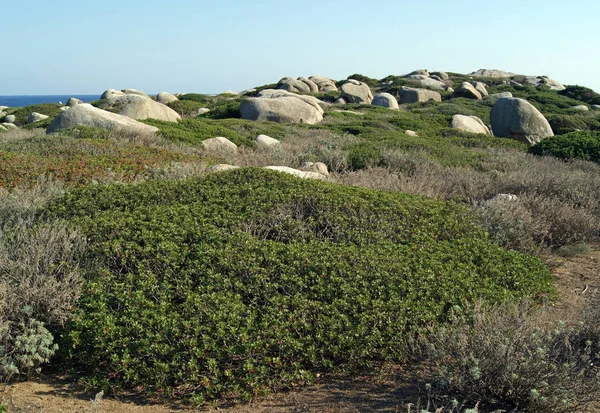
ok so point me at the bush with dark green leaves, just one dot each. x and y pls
(49, 109)
(575, 145)
(581, 93)
(251, 280)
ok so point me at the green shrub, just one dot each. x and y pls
(581, 93)
(575, 145)
(48, 109)
(186, 108)
(224, 110)
(251, 279)
(361, 78)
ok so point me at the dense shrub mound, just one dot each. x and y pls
(575, 145)
(247, 280)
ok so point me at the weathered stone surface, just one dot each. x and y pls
(441, 75)
(471, 124)
(36, 117)
(293, 85)
(296, 172)
(165, 98)
(264, 141)
(498, 74)
(518, 119)
(543, 80)
(219, 144)
(385, 100)
(320, 167)
(63, 108)
(140, 108)
(202, 111)
(466, 90)
(87, 115)
(432, 83)
(283, 107)
(354, 91)
(481, 88)
(411, 132)
(499, 95)
(314, 88)
(414, 95)
(134, 92)
(111, 93)
(10, 119)
(419, 72)
(9, 125)
(325, 84)
(73, 102)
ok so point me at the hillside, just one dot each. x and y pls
(207, 249)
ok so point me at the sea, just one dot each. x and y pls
(28, 100)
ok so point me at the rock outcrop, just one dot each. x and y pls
(10, 119)
(73, 102)
(283, 107)
(414, 95)
(498, 74)
(36, 117)
(471, 124)
(542, 80)
(385, 100)
(134, 92)
(166, 98)
(140, 108)
(354, 91)
(111, 93)
(467, 90)
(518, 119)
(87, 115)
(264, 141)
(296, 172)
(324, 83)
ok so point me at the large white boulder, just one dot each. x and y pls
(165, 98)
(385, 100)
(111, 93)
(498, 74)
(324, 83)
(140, 108)
(87, 115)
(283, 107)
(293, 85)
(10, 119)
(543, 80)
(414, 95)
(518, 119)
(467, 90)
(471, 124)
(134, 92)
(354, 91)
(36, 117)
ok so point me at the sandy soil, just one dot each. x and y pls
(578, 279)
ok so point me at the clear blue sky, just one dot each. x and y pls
(64, 46)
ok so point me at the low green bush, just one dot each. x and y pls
(574, 145)
(186, 108)
(581, 93)
(249, 280)
(49, 109)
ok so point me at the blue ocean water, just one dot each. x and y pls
(27, 100)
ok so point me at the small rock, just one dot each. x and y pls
(581, 108)
(264, 141)
(411, 132)
(219, 144)
(504, 198)
(63, 108)
(9, 125)
(340, 101)
(481, 88)
(296, 172)
(10, 119)
(36, 117)
(385, 100)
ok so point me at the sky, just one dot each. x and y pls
(85, 47)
